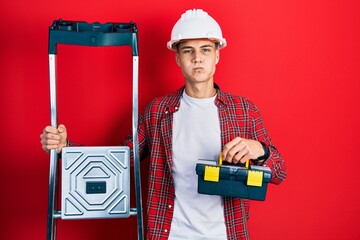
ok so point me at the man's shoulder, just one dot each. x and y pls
(230, 98)
(169, 100)
(238, 104)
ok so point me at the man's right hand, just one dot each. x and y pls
(53, 138)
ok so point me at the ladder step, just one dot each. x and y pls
(133, 211)
(57, 214)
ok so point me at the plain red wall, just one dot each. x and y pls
(299, 61)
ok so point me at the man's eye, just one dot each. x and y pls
(187, 51)
(206, 50)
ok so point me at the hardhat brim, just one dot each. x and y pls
(171, 45)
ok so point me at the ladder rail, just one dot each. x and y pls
(52, 198)
(136, 149)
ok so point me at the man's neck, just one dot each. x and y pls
(200, 90)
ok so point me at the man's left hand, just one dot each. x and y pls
(241, 150)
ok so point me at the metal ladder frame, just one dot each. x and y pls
(95, 34)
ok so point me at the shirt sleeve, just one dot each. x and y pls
(275, 161)
(143, 147)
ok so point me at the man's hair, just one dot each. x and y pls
(217, 45)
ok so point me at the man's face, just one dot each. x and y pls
(197, 59)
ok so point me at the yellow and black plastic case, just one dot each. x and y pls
(233, 181)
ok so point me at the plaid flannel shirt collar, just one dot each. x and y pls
(173, 102)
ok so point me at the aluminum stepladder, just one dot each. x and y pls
(95, 34)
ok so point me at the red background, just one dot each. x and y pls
(299, 61)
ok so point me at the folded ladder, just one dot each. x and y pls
(95, 180)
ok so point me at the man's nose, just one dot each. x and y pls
(197, 58)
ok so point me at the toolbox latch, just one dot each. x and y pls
(255, 178)
(211, 173)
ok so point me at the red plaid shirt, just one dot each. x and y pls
(238, 117)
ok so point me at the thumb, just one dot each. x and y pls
(61, 128)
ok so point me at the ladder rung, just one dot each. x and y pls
(57, 214)
(133, 211)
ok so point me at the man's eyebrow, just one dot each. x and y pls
(207, 45)
(189, 47)
(186, 47)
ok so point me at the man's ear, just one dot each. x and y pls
(217, 56)
(177, 59)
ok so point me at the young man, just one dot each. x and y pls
(199, 121)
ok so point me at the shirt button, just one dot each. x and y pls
(166, 112)
(170, 206)
(166, 230)
(176, 108)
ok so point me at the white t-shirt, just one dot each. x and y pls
(196, 135)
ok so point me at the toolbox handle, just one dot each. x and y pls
(92, 34)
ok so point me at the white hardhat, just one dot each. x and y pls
(195, 24)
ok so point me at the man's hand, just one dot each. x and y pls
(53, 138)
(241, 150)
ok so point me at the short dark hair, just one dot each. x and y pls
(217, 45)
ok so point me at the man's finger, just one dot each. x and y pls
(50, 147)
(50, 129)
(245, 157)
(239, 156)
(229, 147)
(236, 152)
(52, 142)
(61, 128)
(53, 136)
